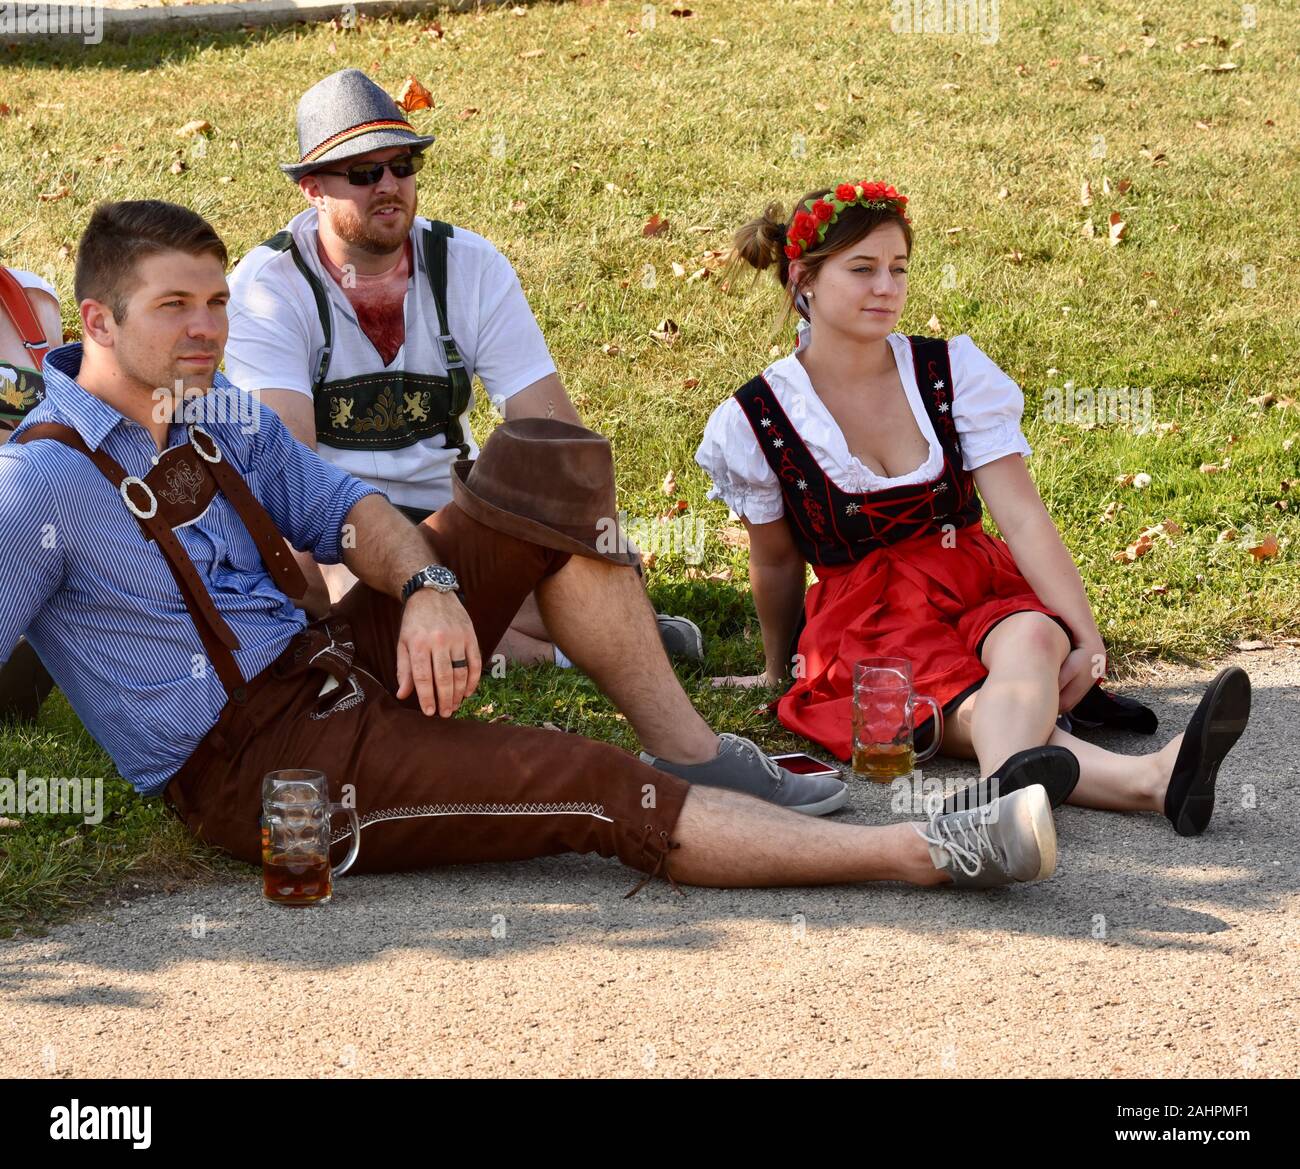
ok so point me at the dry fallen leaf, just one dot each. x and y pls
(670, 484)
(63, 192)
(1265, 548)
(679, 270)
(1112, 510)
(654, 226)
(611, 350)
(1117, 226)
(1250, 646)
(667, 332)
(1085, 194)
(721, 574)
(467, 112)
(933, 325)
(413, 96)
(198, 126)
(1227, 536)
(690, 383)
(532, 54)
(1210, 468)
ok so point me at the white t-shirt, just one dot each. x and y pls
(276, 340)
(986, 408)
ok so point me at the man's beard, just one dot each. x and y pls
(370, 237)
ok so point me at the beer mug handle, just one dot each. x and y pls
(938, 728)
(340, 869)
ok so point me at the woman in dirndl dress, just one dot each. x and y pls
(866, 454)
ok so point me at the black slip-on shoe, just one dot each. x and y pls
(1054, 767)
(1215, 726)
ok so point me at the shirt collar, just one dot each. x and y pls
(91, 417)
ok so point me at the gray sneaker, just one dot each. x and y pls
(1011, 839)
(681, 637)
(741, 767)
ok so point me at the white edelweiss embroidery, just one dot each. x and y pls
(939, 384)
(943, 407)
(778, 442)
(765, 422)
(852, 509)
(940, 487)
(802, 485)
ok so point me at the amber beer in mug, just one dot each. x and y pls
(884, 719)
(296, 813)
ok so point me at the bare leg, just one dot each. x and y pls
(600, 616)
(1017, 707)
(729, 840)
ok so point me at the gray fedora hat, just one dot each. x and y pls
(344, 115)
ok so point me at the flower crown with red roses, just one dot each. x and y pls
(812, 224)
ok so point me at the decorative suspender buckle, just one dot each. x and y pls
(139, 512)
(195, 431)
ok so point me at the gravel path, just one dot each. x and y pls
(542, 968)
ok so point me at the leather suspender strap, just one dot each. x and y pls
(20, 312)
(274, 551)
(217, 637)
(435, 261)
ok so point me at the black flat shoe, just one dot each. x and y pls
(1054, 767)
(1216, 725)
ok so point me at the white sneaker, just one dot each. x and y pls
(1011, 839)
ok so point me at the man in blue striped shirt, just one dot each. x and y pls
(100, 604)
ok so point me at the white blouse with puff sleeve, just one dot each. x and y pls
(986, 408)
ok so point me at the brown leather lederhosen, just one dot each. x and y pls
(429, 791)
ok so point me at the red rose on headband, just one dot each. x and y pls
(846, 192)
(822, 211)
(793, 251)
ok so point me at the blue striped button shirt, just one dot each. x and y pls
(97, 600)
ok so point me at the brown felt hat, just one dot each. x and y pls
(548, 482)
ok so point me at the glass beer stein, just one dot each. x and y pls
(296, 812)
(884, 718)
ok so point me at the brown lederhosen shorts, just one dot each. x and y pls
(428, 790)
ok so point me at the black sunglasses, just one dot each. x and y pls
(367, 174)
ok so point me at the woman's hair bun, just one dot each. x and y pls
(760, 242)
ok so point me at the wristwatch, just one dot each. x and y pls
(431, 576)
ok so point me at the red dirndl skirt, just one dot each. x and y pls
(918, 599)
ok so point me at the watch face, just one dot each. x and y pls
(441, 577)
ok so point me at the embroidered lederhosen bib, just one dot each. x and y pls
(390, 408)
(178, 489)
(831, 526)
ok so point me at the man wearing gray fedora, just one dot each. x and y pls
(363, 325)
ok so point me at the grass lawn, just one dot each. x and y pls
(563, 129)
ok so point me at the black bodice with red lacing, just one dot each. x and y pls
(832, 526)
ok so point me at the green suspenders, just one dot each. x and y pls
(385, 426)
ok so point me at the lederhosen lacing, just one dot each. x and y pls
(831, 526)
